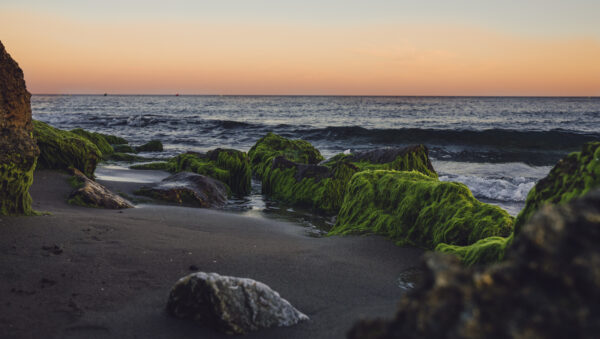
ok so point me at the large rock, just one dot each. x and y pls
(549, 286)
(92, 194)
(63, 150)
(189, 189)
(229, 304)
(18, 150)
(414, 209)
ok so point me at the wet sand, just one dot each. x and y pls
(93, 273)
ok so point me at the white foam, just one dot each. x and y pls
(514, 190)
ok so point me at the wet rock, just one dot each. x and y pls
(150, 146)
(229, 304)
(189, 189)
(18, 150)
(92, 194)
(549, 286)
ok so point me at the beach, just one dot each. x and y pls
(79, 272)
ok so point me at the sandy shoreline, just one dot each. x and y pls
(115, 270)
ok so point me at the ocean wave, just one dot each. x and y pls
(511, 190)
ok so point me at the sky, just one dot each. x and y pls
(376, 47)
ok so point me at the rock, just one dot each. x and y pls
(114, 140)
(229, 304)
(414, 209)
(125, 157)
(119, 148)
(227, 165)
(92, 194)
(97, 139)
(18, 150)
(189, 189)
(63, 150)
(261, 155)
(150, 146)
(548, 287)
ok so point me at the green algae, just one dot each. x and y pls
(113, 139)
(77, 200)
(572, 177)
(227, 165)
(484, 251)
(126, 157)
(98, 139)
(16, 177)
(414, 209)
(62, 149)
(261, 155)
(150, 146)
(122, 148)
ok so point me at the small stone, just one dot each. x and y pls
(230, 304)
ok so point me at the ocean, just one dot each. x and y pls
(497, 146)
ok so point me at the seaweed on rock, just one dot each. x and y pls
(572, 177)
(16, 177)
(414, 209)
(97, 139)
(62, 149)
(485, 251)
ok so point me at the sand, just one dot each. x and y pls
(93, 273)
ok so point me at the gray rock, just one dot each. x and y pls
(191, 189)
(92, 194)
(229, 304)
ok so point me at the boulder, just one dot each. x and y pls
(548, 287)
(92, 194)
(123, 148)
(188, 189)
(63, 150)
(150, 146)
(18, 150)
(229, 304)
(414, 209)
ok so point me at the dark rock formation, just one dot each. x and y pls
(150, 146)
(63, 150)
(189, 189)
(18, 150)
(229, 304)
(549, 286)
(92, 194)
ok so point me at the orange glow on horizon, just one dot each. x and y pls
(61, 55)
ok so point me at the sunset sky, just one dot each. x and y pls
(376, 47)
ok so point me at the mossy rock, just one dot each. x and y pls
(485, 251)
(414, 209)
(123, 148)
(126, 157)
(227, 165)
(261, 155)
(160, 165)
(322, 187)
(98, 140)
(16, 177)
(572, 177)
(62, 149)
(150, 146)
(113, 139)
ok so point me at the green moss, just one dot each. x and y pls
(227, 165)
(150, 146)
(62, 149)
(161, 165)
(485, 251)
(572, 177)
(75, 182)
(78, 201)
(271, 145)
(98, 140)
(15, 179)
(123, 149)
(114, 140)
(414, 209)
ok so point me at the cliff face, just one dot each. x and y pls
(18, 150)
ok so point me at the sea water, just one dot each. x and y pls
(497, 146)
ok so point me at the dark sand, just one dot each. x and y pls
(115, 270)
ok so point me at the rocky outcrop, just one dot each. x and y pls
(414, 209)
(150, 146)
(92, 194)
(229, 304)
(549, 286)
(188, 189)
(18, 150)
(63, 150)
(97, 139)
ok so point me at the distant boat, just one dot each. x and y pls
(105, 94)
(177, 94)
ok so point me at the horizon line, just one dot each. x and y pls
(322, 95)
